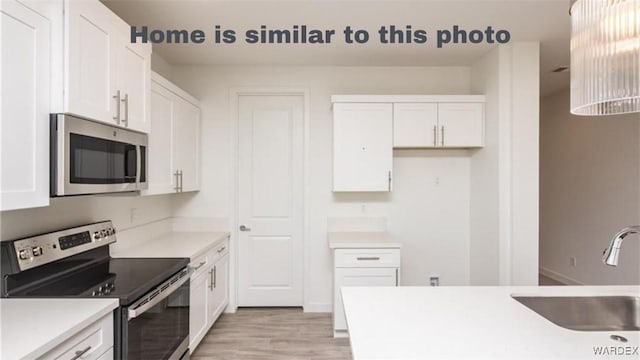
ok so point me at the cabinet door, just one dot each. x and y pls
(415, 125)
(362, 147)
(220, 297)
(199, 297)
(92, 46)
(186, 143)
(358, 277)
(24, 107)
(134, 77)
(461, 124)
(161, 169)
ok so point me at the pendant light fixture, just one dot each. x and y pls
(605, 57)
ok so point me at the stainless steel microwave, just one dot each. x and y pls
(88, 157)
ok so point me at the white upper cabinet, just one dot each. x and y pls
(91, 38)
(161, 178)
(186, 144)
(105, 78)
(362, 147)
(366, 129)
(134, 70)
(415, 125)
(174, 141)
(438, 125)
(24, 106)
(461, 124)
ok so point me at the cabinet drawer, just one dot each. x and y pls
(220, 250)
(200, 264)
(90, 343)
(367, 258)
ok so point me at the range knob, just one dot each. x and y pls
(97, 235)
(24, 254)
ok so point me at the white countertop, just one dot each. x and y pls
(31, 327)
(361, 239)
(469, 323)
(175, 244)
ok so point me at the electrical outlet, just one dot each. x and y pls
(434, 281)
(572, 261)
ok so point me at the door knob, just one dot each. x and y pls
(244, 228)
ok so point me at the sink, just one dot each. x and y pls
(587, 313)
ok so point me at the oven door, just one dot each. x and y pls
(157, 325)
(92, 158)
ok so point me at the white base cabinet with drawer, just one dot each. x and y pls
(94, 342)
(209, 294)
(361, 267)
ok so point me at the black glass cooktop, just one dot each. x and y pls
(124, 278)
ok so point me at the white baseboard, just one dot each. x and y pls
(318, 308)
(559, 277)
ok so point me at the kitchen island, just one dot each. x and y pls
(472, 323)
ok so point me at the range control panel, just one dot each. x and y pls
(43, 249)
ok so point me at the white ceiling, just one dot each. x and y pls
(547, 21)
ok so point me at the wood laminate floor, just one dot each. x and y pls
(272, 334)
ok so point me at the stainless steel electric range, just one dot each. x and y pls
(152, 321)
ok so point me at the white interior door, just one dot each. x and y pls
(270, 200)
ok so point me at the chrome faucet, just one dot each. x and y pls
(610, 254)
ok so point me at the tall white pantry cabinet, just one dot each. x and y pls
(366, 129)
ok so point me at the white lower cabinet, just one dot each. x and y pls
(209, 294)
(93, 342)
(361, 267)
(220, 286)
(198, 314)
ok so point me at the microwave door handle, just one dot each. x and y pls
(127, 154)
(138, 164)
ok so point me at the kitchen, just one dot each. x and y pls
(460, 216)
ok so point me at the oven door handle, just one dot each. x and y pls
(160, 293)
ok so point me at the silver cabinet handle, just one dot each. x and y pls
(177, 175)
(116, 97)
(79, 353)
(369, 258)
(397, 280)
(435, 135)
(211, 279)
(215, 276)
(126, 110)
(221, 249)
(244, 228)
(199, 265)
(442, 139)
(181, 182)
(389, 179)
